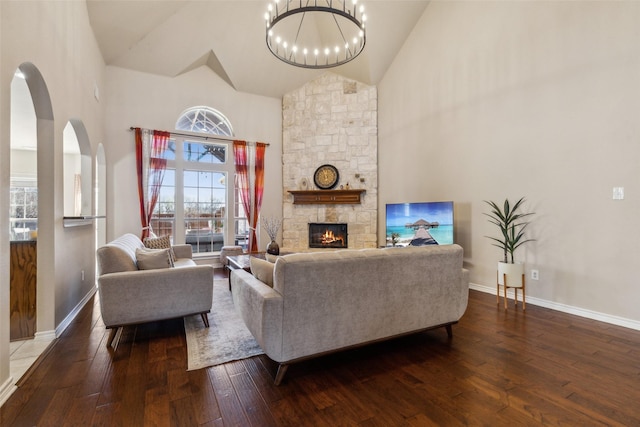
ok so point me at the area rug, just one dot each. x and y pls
(225, 340)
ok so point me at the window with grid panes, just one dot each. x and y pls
(197, 188)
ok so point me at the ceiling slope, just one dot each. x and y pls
(173, 37)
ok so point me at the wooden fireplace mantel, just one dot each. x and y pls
(326, 197)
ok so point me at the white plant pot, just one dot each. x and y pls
(514, 274)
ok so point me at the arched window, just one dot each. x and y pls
(204, 120)
(198, 185)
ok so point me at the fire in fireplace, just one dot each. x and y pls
(323, 235)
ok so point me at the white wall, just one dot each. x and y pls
(22, 164)
(56, 38)
(155, 102)
(489, 100)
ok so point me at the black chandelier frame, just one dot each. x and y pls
(289, 56)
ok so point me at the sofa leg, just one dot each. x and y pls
(205, 319)
(114, 338)
(282, 369)
(449, 331)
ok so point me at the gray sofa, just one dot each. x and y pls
(324, 302)
(130, 296)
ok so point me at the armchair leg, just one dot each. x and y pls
(205, 319)
(449, 331)
(114, 337)
(282, 369)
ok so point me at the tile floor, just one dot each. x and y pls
(23, 354)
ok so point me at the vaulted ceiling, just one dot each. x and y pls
(172, 37)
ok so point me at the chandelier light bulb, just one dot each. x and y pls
(278, 39)
(326, 51)
(315, 52)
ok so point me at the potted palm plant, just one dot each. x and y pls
(512, 223)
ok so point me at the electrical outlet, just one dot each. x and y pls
(534, 274)
(618, 193)
(82, 275)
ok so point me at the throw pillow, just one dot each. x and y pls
(163, 242)
(262, 270)
(151, 259)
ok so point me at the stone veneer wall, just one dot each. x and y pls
(330, 120)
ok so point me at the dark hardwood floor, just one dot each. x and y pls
(501, 368)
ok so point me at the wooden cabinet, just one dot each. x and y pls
(326, 197)
(22, 297)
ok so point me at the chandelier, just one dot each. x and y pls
(315, 33)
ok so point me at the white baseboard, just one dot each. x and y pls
(72, 315)
(589, 314)
(7, 390)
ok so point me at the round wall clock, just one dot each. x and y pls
(326, 177)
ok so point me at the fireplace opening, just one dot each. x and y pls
(328, 235)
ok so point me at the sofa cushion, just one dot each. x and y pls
(262, 270)
(162, 242)
(184, 262)
(151, 259)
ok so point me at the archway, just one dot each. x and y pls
(23, 212)
(77, 169)
(33, 95)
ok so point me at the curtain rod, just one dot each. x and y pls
(217, 137)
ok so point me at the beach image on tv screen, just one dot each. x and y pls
(419, 224)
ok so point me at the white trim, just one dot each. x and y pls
(72, 315)
(7, 390)
(589, 314)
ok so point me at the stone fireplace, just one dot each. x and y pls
(330, 120)
(328, 235)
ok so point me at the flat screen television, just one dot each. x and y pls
(419, 224)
